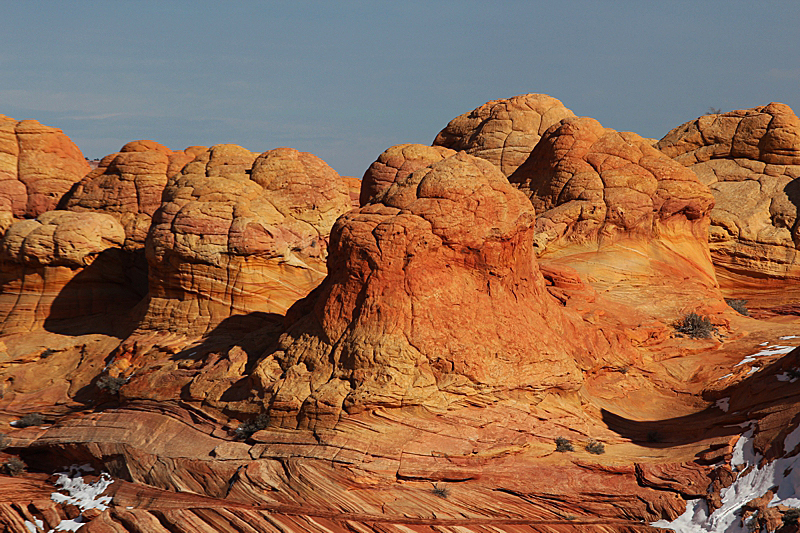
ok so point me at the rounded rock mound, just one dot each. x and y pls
(503, 131)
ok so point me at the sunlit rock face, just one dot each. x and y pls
(239, 232)
(128, 185)
(62, 266)
(504, 131)
(750, 159)
(38, 165)
(618, 210)
(432, 294)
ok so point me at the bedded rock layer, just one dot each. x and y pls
(237, 233)
(503, 131)
(38, 165)
(394, 165)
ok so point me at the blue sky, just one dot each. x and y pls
(346, 80)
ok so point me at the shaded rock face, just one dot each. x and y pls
(239, 232)
(38, 165)
(503, 131)
(60, 266)
(128, 185)
(432, 295)
(616, 209)
(394, 165)
(750, 159)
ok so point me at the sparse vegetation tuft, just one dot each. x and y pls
(740, 306)
(791, 517)
(111, 385)
(441, 491)
(246, 429)
(14, 466)
(595, 447)
(564, 445)
(5, 442)
(31, 419)
(695, 326)
(47, 353)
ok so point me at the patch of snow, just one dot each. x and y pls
(764, 343)
(783, 473)
(724, 404)
(82, 495)
(774, 349)
(753, 370)
(34, 527)
(723, 377)
(788, 337)
(786, 377)
(69, 525)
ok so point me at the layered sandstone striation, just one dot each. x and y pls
(618, 210)
(38, 165)
(61, 266)
(394, 165)
(430, 297)
(237, 233)
(750, 159)
(503, 131)
(128, 185)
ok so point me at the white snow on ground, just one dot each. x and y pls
(34, 527)
(786, 376)
(789, 337)
(783, 473)
(774, 349)
(724, 404)
(83, 495)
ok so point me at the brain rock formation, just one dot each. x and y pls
(433, 293)
(38, 165)
(394, 165)
(239, 232)
(56, 267)
(750, 159)
(128, 185)
(593, 187)
(503, 131)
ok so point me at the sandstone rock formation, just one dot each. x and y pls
(750, 159)
(239, 232)
(394, 165)
(615, 208)
(503, 131)
(430, 297)
(38, 164)
(128, 185)
(61, 266)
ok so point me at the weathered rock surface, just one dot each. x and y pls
(750, 159)
(60, 266)
(503, 131)
(237, 233)
(394, 165)
(615, 208)
(430, 298)
(128, 185)
(38, 165)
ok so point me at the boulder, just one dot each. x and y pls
(38, 165)
(503, 131)
(750, 159)
(128, 185)
(237, 233)
(620, 212)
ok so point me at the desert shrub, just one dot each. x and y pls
(696, 326)
(564, 445)
(246, 429)
(31, 419)
(595, 447)
(5, 442)
(47, 353)
(441, 491)
(14, 466)
(109, 384)
(791, 517)
(740, 306)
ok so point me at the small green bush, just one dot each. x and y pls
(111, 385)
(595, 447)
(696, 326)
(740, 306)
(14, 466)
(564, 445)
(31, 419)
(440, 491)
(246, 429)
